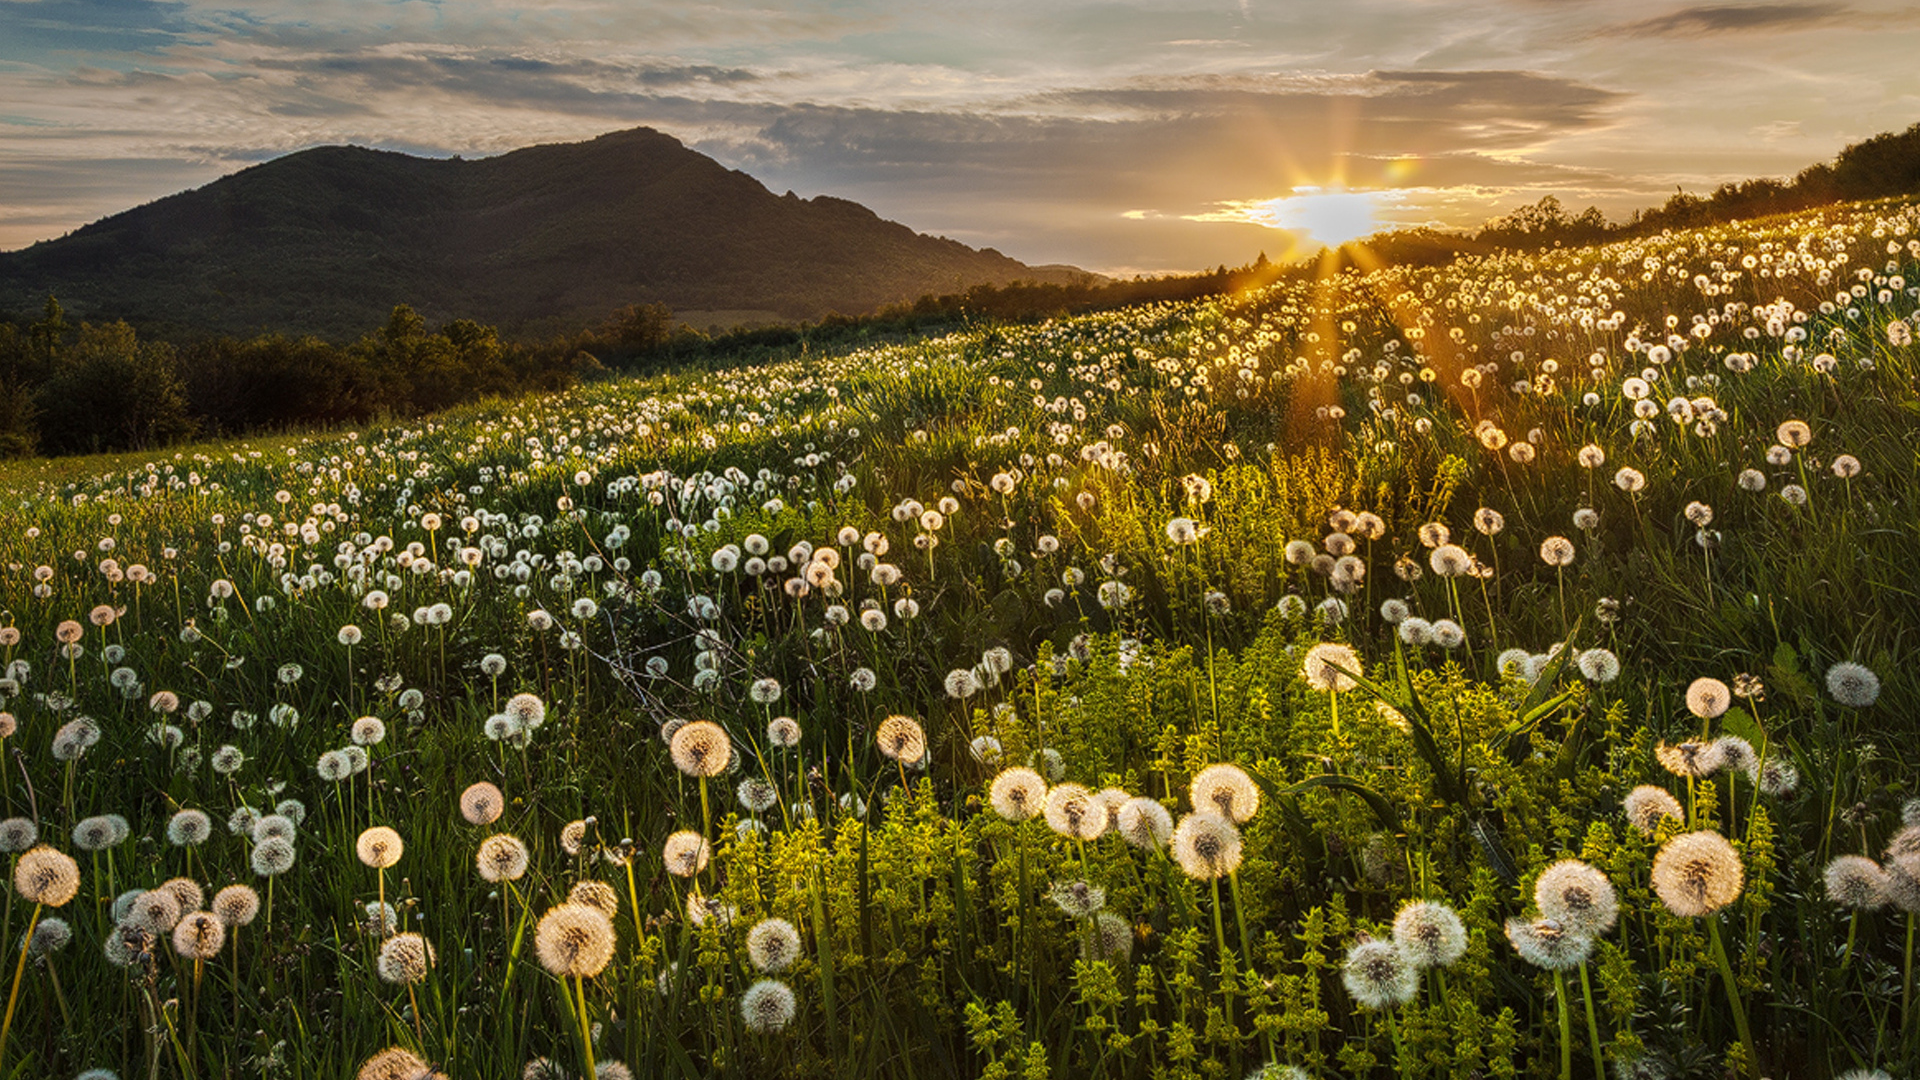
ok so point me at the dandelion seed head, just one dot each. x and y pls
(1855, 881)
(1545, 943)
(272, 857)
(574, 941)
(1647, 806)
(1429, 934)
(1206, 846)
(1326, 665)
(405, 959)
(236, 905)
(701, 749)
(773, 945)
(1853, 685)
(1577, 896)
(379, 847)
(767, 1006)
(47, 877)
(1225, 789)
(1707, 698)
(1695, 759)
(685, 853)
(396, 1063)
(1697, 873)
(902, 739)
(1078, 899)
(1017, 793)
(1378, 975)
(482, 804)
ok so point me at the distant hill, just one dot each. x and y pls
(328, 240)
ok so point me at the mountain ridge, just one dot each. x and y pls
(547, 237)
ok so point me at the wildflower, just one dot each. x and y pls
(1017, 793)
(1450, 560)
(236, 905)
(773, 945)
(685, 853)
(764, 691)
(1416, 631)
(1691, 758)
(45, 876)
(574, 941)
(405, 959)
(1078, 899)
(1856, 881)
(395, 1063)
(501, 857)
(1545, 943)
(1738, 755)
(527, 710)
(1144, 823)
(1429, 934)
(1070, 812)
(189, 828)
(1448, 634)
(768, 1005)
(1556, 551)
(901, 738)
(1708, 698)
(1110, 938)
(1794, 434)
(756, 794)
(272, 857)
(1647, 805)
(1378, 975)
(1577, 896)
(95, 834)
(1778, 778)
(482, 804)
(701, 749)
(1226, 789)
(783, 732)
(1598, 665)
(1327, 665)
(1182, 530)
(1206, 846)
(1629, 480)
(1853, 684)
(1697, 873)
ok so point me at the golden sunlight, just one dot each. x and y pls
(1327, 217)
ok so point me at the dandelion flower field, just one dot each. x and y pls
(1498, 669)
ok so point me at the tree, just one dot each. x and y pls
(111, 391)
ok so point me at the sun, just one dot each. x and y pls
(1328, 217)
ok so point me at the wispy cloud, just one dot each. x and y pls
(1736, 18)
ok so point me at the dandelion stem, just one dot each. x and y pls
(1566, 1025)
(20, 969)
(1593, 1025)
(1733, 990)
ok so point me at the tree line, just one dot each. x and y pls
(95, 387)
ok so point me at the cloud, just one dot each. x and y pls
(1734, 18)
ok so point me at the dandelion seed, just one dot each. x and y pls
(701, 749)
(236, 905)
(1858, 882)
(526, 710)
(685, 853)
(368, 731)
(756, 795)
(1226, 789)
(574, 941)
(189, 828)
(901, 738)
(1697, 874)
(1556, 551)
(1647, 806)
(502, 857)
(1450, 561)
(767, 1006)
(1144, 823)
(1853, 685)
(1778, 778)
(1708, 698)
(773, 945)
(1326, 667)
(1577, 896)
(1378, 976)
(1070, 812)
(379, 847)
(1078, 899)
(1695, 759)
(1429, 934)
(1206, 846)
(395, 1063)
(272, 857)
(405, 959)
(45, 876)
(482, 804)
(1545, 943)
(1794, 434)
(1017, 793)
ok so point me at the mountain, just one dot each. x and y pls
(328, 240)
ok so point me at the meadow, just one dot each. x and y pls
(1488, 670)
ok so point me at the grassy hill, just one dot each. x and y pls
(550, 237)
(831, 718)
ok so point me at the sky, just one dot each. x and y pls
(1124, 137)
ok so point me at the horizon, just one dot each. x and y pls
(1121, 138)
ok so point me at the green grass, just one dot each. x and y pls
(929, 945)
